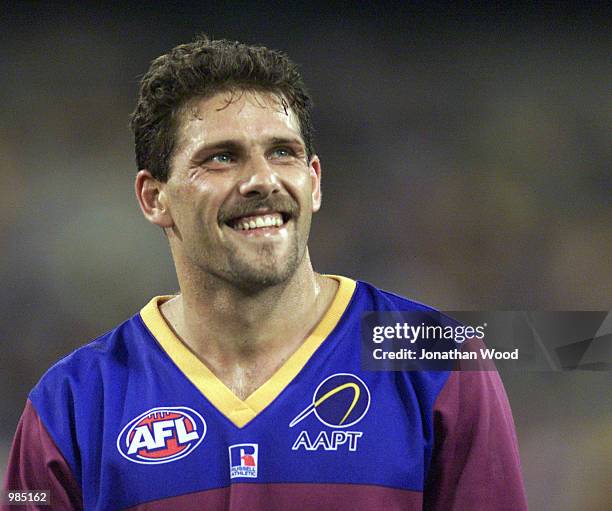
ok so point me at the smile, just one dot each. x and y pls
(263, 222)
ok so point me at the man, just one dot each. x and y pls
(245, 391)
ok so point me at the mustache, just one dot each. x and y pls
(247, 207)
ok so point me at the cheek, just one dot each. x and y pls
(306, 187)
(186, 208)
(301, 184)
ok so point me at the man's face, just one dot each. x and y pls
(241, 192)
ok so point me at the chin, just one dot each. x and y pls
(259, 275)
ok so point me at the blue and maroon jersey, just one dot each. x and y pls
(134, 420)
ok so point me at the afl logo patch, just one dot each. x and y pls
(161, 435)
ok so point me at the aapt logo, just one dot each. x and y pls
(339, 402)
(161, 435)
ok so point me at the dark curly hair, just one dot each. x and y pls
(203, 68)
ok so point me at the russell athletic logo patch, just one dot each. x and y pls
(161, 435)
(243, 460)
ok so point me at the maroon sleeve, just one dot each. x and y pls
(35, 463)
(475, 463)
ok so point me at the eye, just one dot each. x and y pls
(219, 161)
(282, 152)
(222, 158)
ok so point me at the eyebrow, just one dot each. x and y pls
(282, 140)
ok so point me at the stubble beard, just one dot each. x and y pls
(266, 269)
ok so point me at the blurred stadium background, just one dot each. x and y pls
(466, 159)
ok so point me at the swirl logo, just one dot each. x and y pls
(340, 401)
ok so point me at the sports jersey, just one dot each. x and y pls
(134, 420)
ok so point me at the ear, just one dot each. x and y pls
(152, 199)
(315, 176)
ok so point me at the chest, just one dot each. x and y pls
(244, 379)
(338, 428)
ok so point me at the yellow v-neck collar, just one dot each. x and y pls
(235, 409)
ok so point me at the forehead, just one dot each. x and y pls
(236, 115)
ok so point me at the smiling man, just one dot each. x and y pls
(236, 208)
(246, 390)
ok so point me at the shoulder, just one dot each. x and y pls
(87, 369)
(388, 301)
(68, 403)
(380, 309)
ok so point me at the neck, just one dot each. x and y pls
(226, 325)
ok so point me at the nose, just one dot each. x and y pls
(261, 179)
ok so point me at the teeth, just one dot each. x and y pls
(255, 222)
